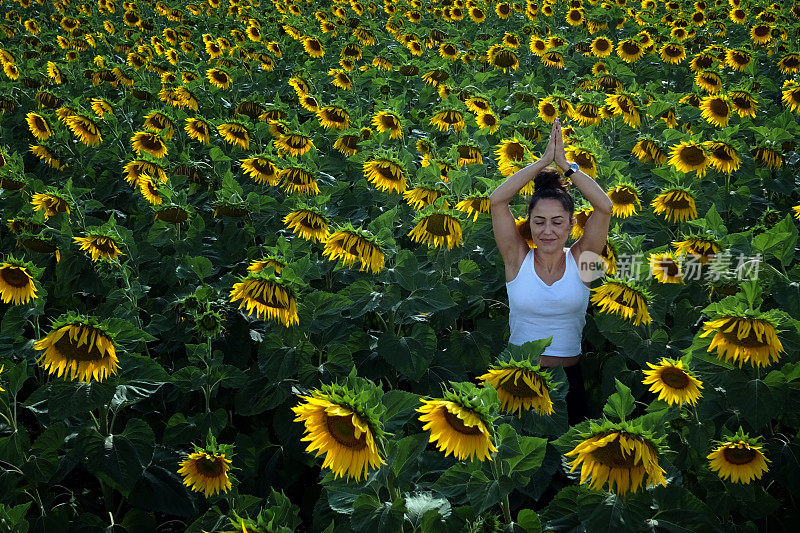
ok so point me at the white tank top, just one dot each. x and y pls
(538, 310)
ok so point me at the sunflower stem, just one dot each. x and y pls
(504, 503)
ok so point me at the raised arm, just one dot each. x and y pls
(510, 243)
(595, 232)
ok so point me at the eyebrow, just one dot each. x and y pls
(557, 216)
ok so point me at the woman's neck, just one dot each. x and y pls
(550, 261)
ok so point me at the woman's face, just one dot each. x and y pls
(551, 224)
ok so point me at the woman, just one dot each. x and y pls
(547, 295)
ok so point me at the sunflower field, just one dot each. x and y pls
(248, 279)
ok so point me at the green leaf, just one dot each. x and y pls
(371, 513)
(12, 519)
(529, 521)
(201, 266)
(76, 398)
(120, 459)
(410, 355)
(621, 403)
(483, 492)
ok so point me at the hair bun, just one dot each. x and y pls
(550, 178)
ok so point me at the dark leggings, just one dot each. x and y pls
(576, 396)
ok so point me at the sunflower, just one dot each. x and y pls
(723, 156)
(587, 114)
(339, 424)
(474, 205)
(739, 458)
(102, 107)
(78, 348)
(333, 117)
(689, 156)
(420, 197)
(262, 169)
(796, 210)
(553, 59)
(768, 157)
(235, 134)
(548, 111)
(709, 81)
(744, 103)
(623, 104)
(630, 50)
(703, 250)
(354, 244)
(624, 299)
(388, 121)
(297, 179)
(219, 78)
(716, 110)
(665, 268)
(83, 128)
(313, 47)
(761, 33)
(149, 189)
(206, 472)
(624, 197)
(623, 458)
(99, 246)
(468, 154)
(672, 382)
(347, 144)
(198, 129)
(158, 122)
(602, 47)
(791, 97)
(51, 203)
(742, 339)
(738, 59)
(586, 160)
(672, 53)
(456, 429)
(520, 386)
(386, 174)
(309, 224)
(295, 144)
(144, 141)
(266, 298)
(17, 285)
(135, 170)
(38, 126)
(789, 63)
(437, 229)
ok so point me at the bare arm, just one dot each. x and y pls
(596, 230)
(510, 243)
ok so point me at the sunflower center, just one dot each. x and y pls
(388, 122)
(458, 424)
(437, 225)
(71, 351)
(151, 143)
(673, 51)
(693, 155)
(548, 109)
(791, 62)
(669, 267)
(742, 102)
(739, 456)
(211, 468)
(104, 245)
(679, 202)
(333, 116)
(622, 197)
(675, 378)
(761, 30)
(387, 172)
(343, 431)
(611, 456)
(15, 276)
(721, 153)
(630, 48)
(750, 341)
(719, 107)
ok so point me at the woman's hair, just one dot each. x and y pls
(549, 183)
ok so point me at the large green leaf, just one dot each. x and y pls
(120, 459)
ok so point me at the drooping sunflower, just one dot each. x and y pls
(355, 245)
(625, 198)
(17, 284)
(586, 160)
(134, 170)
(665, 268)
(219, 78)
(672, 53)
(38, 126)
(158, 122)
(791, 96)
(341, 424)
(269, 261)
(622, 455)
(768, 157)
(388, 121)
(744, 340)
(422, 196)
(553, 59)
(198, 129)
(446, 118)
(87, 131)
(521, 386)
(738, 59)
(145, 141)
(649, 150)
(309, 223)
(294, 144)
(206, 469)
(51, 202)
(587, 114)
(688, 156)
(474, 204)
(744, 103)
(148, 187)
(235, 134)
(624, 104)
(386, 173)
(333, 117)
(266, 297)
(436, 229)
(796, 210)
(510, 153)
(298, 178)
(347, 144)
(710, 81)
(459, 424)
(78, 347)
(673, 383)
(678, 203)
(262, 169)
(738, 458)
(102, 107)
(313, 47)
(99, 246)
(702, 249)
(723, 156)
(623, 298)
(630, 50)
